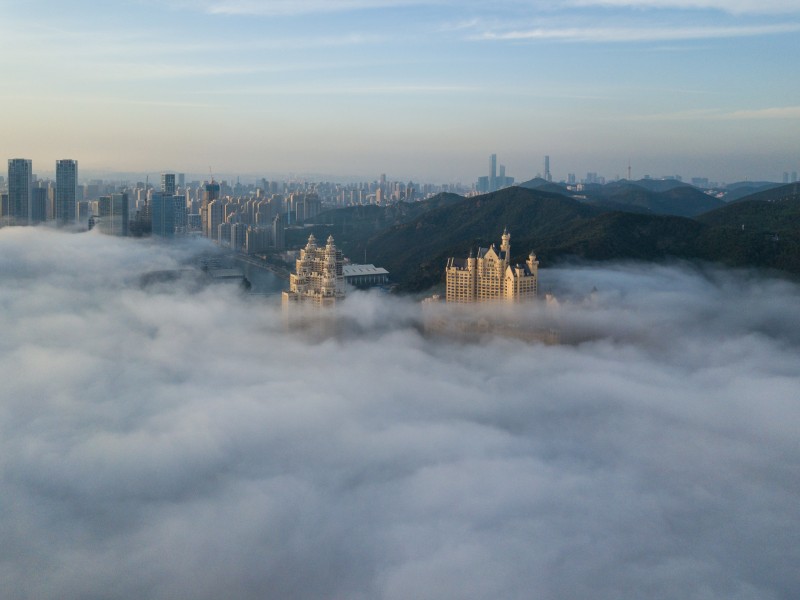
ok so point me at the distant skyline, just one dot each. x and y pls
(412, 88)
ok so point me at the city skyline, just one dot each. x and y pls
(427, 89)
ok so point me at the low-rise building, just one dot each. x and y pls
(363, 276)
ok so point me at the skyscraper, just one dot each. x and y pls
(20, 183)
(210, 194)
(66, 191)
(547, 175)
(493, 173)
(162, 208)
(38, 205)
(168, 184)
(112, 217)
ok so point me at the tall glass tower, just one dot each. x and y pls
(168, 184)
(20, 183)
(66, 191)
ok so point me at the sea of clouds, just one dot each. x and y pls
(170, 441)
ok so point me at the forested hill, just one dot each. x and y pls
(414, 242)
(556, 227)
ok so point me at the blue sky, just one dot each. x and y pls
(415, 89)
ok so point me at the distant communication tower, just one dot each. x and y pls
(547, 175)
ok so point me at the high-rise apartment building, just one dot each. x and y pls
(162, 214)
(113, 215)
(211, 192)
(20, 184)
(491, 276)
(168, 184)
(215, 214)
(38, 205)
(319, 276)
(66, 191)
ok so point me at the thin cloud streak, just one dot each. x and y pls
(773, 113)
(276, 8)
(728, 6)
(635, 34)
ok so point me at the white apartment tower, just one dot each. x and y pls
(491, 276)
(319, 276)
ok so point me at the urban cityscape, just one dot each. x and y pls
(399, 299)
(238, 215)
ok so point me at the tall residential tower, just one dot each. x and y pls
(66, 191)
(20, 184)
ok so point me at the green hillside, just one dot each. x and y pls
(760, 230)
(655, 196)
(354, 225)
(414, 241)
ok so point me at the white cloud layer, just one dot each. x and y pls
(730, 6)
(637, 33)
(297, 7)
(167, 443)
(300, 7)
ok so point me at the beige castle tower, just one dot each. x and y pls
(318, 278)
(491, 276)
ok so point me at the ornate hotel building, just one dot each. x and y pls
(319, 276)
(491, 276)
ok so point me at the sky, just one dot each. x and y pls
(174, 442)
(417, 89)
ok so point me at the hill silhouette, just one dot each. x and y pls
(655, 196)
(414, 241)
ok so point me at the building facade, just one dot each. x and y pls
(168, 184)
(20, 184)
(319, 276)
(66, 191)
(112, 214)
(162, 214)
(364, 276)
(490, 276)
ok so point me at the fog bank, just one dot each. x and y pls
(174, 441)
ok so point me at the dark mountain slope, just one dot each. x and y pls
(353, 225)
(679, 200)
(415, 252)
(755, 232)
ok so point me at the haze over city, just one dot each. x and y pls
(423, 90)
(400, 299)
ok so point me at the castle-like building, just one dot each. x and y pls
(319, 276)
(491, 276)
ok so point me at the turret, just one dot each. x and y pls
(533, 264)
(505, 245)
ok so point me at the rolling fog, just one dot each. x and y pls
(179, 442)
